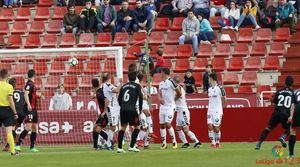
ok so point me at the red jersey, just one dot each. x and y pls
(219, 2)
(160, 61)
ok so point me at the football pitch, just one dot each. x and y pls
(230, 154)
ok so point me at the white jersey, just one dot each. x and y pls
(181, 104)
(215, 94)
(108, 93)
(167, 89)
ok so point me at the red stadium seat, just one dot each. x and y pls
(264, 35)
(67, 40)
(259, 49)
(47, 93)
(198, 78)
(282, 34)
(245, 35)
(26, 59)
(138, 38)
(168, 64)
(121, 39)
(182, 65)
(199, 64)
(42, 13)
(21, 68)
(6, 66)
(131, 51)
(126, 64)
(277, 49)
(232, 35)
(38, 82)
(173, 37)
(170, 51)
(40, 68)
(78, 9)
(23, 14)
(71, 82)
(249, 78)
(76, 70)
(45, 3)
(103, 39)
(253, 64)
(156, 79)
(15, 41)
(86, 40)
(241, 50)
(57, 67)
(19, 27)
(32, 41)
(93, 67)
(245, 89)
(230, 78)
(264, 88)
(184, 51)
(162, 24)
(52, 81)
(7, 14)
(156, 38)
(271, 63)
(54, 26)
(177, 23)
(50, 41)
(214, 22)
(205, 51)
(4, 28)
(219, 63)
(222, 50)
(229, 90)
(86, 82)
(37, 27)
(236, 64)
(20, 82)
(110, 66)
(59, 12)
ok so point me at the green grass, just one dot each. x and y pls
(231, 154)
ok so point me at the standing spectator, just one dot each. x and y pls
(208, 70)
(8, 3)
(106, 17)
(124, 18)
(206, 32)
(88, 17)
(217, 6)
(285, 15)
(189, 82)
(71, 21)
(269, 16)
(190, 31)
(142, 18)
(61, 100)
(201, 6)
(231, 16)
(160, 62)
(249, 15)
(181, 7)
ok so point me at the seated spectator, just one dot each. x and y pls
(231, 17)
(208, 70)
(61, 100)
(269, 15)
(8, 3)
(190, 31)
(143, 60)
(76, 2)
(142, 18)
(124, 18)
(249, 15)
(63, 3)
(71, 21)
(285, 15)
(189, 82)
(217, 6)
(181, 7)
(201, 6)
(88, 17)
(150, 6)
(116, 2)
(160, 63)
(206, 32)
(106, 17)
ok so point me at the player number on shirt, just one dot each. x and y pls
(285, 101)
(126, 96)
(17, 97)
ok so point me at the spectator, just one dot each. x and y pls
(231, 16)
(217, 6)
(150, 6)
(116, 2)
(124, 18)
(61, 100)
(189, 82)
(190, 31)
(285, 15)
(181, 7)
(206, 32)
(71, 21)
(88, 17)
(76, 2)
(269, 16)
(201, 6)
(143, 60)
(249, 15)
(208, 70)
(142, 18)
(106, 17)
(160, 62)
(63, 3)
(8, 3)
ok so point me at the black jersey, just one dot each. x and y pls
(100, 98)
(130, 93)
(283, 99)
(19, 100)
(297, 96)
(32, 93)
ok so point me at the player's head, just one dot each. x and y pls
(189, 73)
(4, 74)
(289, 80)
(132, 76)
(165, 72)
(30, 74)
(60, 88)
(177, 79)
(213, 78)
(13, 82)
(95, 83)
(106, 77)
(140, 77)
(208, 68)
(132, 68)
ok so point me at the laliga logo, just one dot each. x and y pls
(277, 151)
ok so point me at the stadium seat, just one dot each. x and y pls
(214, 22)
(15, 41)
(52, 81)
(32, 41)
(126, 64)
(198, 78)
(138, 38)
(235, 64)
(19, 27)
(277, 49)
(110, 66)
(173, 37)
(93, 67)
(245, 89)
(253, 64)
(199, 64)
(271, 63)
(37, 27)
(59, 12)
(21, 68)
(219, 64)
(205, 51)
(4, 28)
(230, 78)
(20, 82)
(57, 67)
(50, 41)
(76, 70)
(263, 88)
(86, 82)
(241, 50)
(47, 3)
(7, 14)
(26, 59)
(6, 66)
(103, 39)
(156, 38)
(170, 51)
(177, 24)
(184, 51)
(162, 24)
(249, 78)
(229, 90)
(154, 49)
(78, 9)
(232, 35)
(23, 14)
(282, 34)
(259, 49)
(42, 14)
(40, 68)
(8, 59)
(156, 79)
(47, 93)
(54, 26)
(245, 35)
(168, 64)
(121, 39)
(86, 40)
(38, 82)
(70, 82)
(264, 35)
(182, 65)
(131, 51)
(67, 40)
(222, 50)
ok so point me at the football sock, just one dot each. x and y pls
(218, 137)
(120, 139)
(211, 135)
(95, 139)
(193, 136)
(163, 134)
(147, 139)
(11, 142)
(141, 135)
(182, 136)
(134, 135)
(150, 124)
(172, 134)
(285, 134)
(292, 141)
(22, 137)
(32, 139)
(264, 135)
(110, 135)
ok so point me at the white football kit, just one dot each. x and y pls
(183, 113)
(215, 108)
(114, 109)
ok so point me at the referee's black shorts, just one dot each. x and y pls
(279, 117)
(130, 117)
(7, 116)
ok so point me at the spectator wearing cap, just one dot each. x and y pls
(71, 21)
(106, 17)
(87, 17)
(189, 82)
(285, 15)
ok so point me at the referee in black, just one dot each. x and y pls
(8, 113)
(130, 94)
